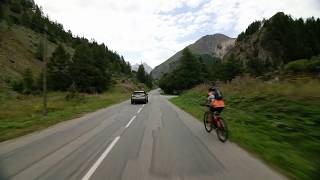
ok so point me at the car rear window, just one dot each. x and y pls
(139, 93)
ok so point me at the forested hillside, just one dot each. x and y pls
(267, 49)
(73, 61)
(269, 45)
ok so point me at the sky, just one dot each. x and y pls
(151, 31)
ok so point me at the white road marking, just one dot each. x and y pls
(140, 109)
(130, 121)
(101, 158)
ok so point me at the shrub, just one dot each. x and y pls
(304, 66)
(26, 85)
(15, 7)
(17, 85)
(28, 81)
(297, 66)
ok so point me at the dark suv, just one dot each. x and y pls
(139, 97)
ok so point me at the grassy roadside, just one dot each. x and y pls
(20, 115)
(278, 122)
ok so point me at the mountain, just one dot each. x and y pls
(147, 68)
(214, 46)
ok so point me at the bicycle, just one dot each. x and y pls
(216, 123)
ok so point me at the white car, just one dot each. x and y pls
(139, 97)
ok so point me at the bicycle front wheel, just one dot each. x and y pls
(207, 122)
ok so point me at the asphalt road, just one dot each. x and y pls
(152, 141)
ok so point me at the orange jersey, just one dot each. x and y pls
(217, 103)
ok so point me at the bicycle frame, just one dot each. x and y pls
(216, 120)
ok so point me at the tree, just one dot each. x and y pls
(128, 68)
(230, 69)
(189, 73)
(39, 52)
(290, 39)
(86, 76)
(15, 7)
(256, 67)
(149, 81)
(25, 19)
(216, 69)
(253, 28)
(166, 83)
(241, 37)
(1, 12)
(59, 70)
(186, 76)
(37, 20)
(27, 4)
(27, 81)
(204, 69)
(141, 74)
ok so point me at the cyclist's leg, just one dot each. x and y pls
(217, 112)
(210, 114)
(212, 111)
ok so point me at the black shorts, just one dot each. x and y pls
(219, 110)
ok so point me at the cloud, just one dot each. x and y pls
(153, 30)
(235, 15)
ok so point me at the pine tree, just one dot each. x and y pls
(1, 12)
(230, 69)
(39, 52)
(186, 76)
(149, 81)
(85, 74)
(141, 74)
(189, 73)
(59, 70)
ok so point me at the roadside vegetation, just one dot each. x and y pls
(22, 114)
(82, 75)
(279, 121)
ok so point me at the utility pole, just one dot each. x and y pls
(45, 101)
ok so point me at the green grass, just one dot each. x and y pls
(278, 122)
(20, 115)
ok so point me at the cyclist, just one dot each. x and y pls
(215, 101)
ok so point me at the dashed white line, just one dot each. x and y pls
(101, 158)
(130, 121)
(107, 151)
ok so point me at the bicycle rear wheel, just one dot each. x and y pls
(207, 123)
(222, 130)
